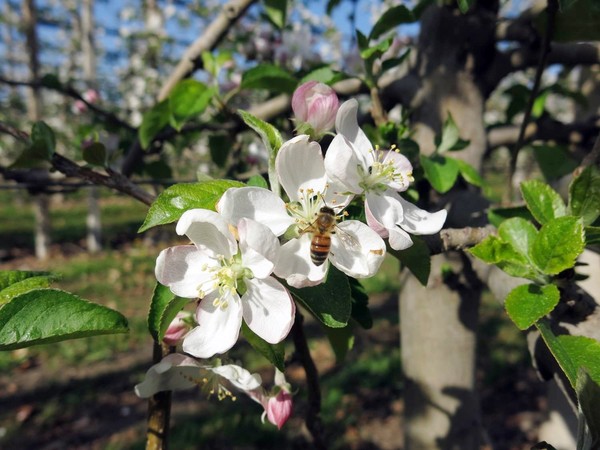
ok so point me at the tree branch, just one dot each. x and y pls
(211, 37)
(457, 238)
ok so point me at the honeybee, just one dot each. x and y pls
(322, 228)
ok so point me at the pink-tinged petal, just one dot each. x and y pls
(268, 309)
(299, 100)
(218, 328)
(343, 166)
(257, 204)
(299, 165)
(208, 231)
(181, 269)
(177, 329)
(356, 249)
(316, 104)
(260, 247)
(419, 221)
(295, 266)
(238, 376)
(279, 408)
(385, 207)
(174, 372)
(346, 124)
(374, 224)
(402, 170)
(399, 239)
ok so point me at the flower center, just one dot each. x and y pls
(226, 277)
(382, 171)
(306, 209)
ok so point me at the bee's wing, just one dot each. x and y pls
(349, 241)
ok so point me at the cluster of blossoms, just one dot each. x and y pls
(240, 252)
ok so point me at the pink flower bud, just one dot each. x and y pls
(177, 329)
(91, 96)
(315, 104)
(279, 408)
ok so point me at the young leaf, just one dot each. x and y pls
(519, 233)
(269, 134)
(164, 306)
(95, 154)
(464, 5)
(527, 303)
(390, 19)
(188, 99)
(450, 135)
(554, 161)
(562, 356)
(330, 301)
(276, 12)
(270, 77)
(9, 277)
(43, 316)
(469, 173)
(440, 171)
(174, 201)
(324, 75)
(258, 181)
(395, 62)
(23, 286)
(376, 50)
(43, 134)
(34, 156)
(558, 244)
(494, 250)
(362, 41)
(498, 215)
(544, 202)
(275, 353)
(417, 258)
(153, 121)
(584, 195)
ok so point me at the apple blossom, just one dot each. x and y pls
(178, 328)
(232, 280)
(378, 175)
(301, 173)
(315, 106)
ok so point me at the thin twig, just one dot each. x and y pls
(313, 418)
(159, 409)
(551, 10)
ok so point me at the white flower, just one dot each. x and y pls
(178, 371)
(378, 175)
(232, 281)
(355, 249)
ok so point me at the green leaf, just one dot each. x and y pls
(395, 62)
(153, 121)
(174, 201)
(268, 133)
(95, 154)
(469, 173)
(362, 41)
(558, 244)
(330, 301)
(562, 356)
(584, 195)
(43, 316)
(584, 352)
(527, 303)
(208, 62)
(544, 202)
(275, 353)
(494, 250)
(450, 135)
(341, 341)
(24, 286)
(417, 258)
(520, 234)
(324, 75)
(497, 215)
(539, 104)
(10, 277)
(376, 50)
(270, 77)
(390, 19)
(592, 235)
(43, 134)
(35, 155)
(360, 304)
(164, 306)
(258, 181)
(220, 146)
(188, 99)
(588, 397)
(554, 161)
(276, 12)
(51, 81)
(331, 5)
(465, 5)
(440, 171)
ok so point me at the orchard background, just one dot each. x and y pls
(117, 117)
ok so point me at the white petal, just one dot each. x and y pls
(402, 170)
(342, 165)
(346, 123)
(238, 376)
(336, 196)
(268, 309)
(295, 266)
(385, 207)
(181, 269)
(174, 372)
(260, 247)
(419, 221)
(356, 249)
(399, 239)
(208, 231)
(257, 204)
(299, 165)
(218, 329)
(374, 224)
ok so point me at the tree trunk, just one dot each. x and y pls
(438, 323)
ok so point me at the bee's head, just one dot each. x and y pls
(327, 210)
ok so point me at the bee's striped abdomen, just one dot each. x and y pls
(319, 248)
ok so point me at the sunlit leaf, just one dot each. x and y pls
(528, 303)
(544, 202)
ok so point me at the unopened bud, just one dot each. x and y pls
(178, 328)
(279, 408)
(315, 106)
